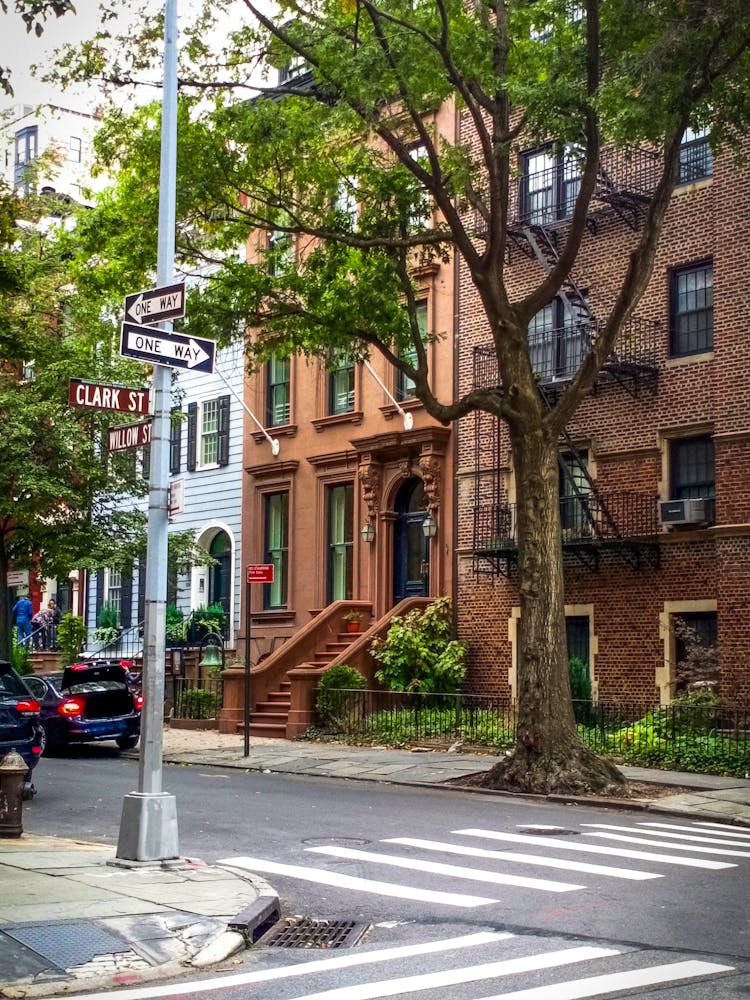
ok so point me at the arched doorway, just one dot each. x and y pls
(411, 553)
(219, 576)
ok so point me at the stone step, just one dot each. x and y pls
(272, 731)
(271, 718)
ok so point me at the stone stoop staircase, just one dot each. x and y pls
(269, 718)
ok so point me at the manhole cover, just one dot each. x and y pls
(306, 932)
(336, 842)
(540, 830)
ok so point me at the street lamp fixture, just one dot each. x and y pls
(429, 526)
(368, 532)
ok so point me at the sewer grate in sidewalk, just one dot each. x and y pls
(306, 932)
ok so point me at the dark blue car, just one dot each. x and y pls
(20, 728)
(86, 703)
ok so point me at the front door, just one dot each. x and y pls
(411, 549)
(219, 574)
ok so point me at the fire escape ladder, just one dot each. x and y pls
(544, 248)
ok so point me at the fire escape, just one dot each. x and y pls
(560, 338)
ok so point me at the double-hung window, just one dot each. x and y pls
(114, 590)
(276, 548)
(420, 216)
(277, 391)
(280, 251)
(404, 384)
(549, 186)
(559, 340)
(696, 158)
(692, 309)
(341, 387)
(693, 471)
(575, 489)
(340, 539)
(26, 151)
(207, 435)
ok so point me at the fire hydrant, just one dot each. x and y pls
(13, 771)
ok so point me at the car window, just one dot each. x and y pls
(37, 687)
(89, 686)
(11, 683)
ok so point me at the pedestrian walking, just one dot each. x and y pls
(22, 613)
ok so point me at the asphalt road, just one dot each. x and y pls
(604, 894)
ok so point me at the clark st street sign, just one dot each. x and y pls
(159, 347)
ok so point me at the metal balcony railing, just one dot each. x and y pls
(557, 354)
(595, 518)
(624, 177)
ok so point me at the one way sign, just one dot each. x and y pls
(153, 305)
(175, 350)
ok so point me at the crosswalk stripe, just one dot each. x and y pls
(525, 859)
(307, 968)
(595, 986)
(725, 831)
(323, 877)
(617, 852)
(454, 977)
(731, 830)
(669, 844)
(451, 871)
(717, 841)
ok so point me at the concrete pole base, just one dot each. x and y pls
(148, 828)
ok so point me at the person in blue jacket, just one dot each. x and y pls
(22, 612)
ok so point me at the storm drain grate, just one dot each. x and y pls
(305, 932)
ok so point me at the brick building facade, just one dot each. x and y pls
(667, 420)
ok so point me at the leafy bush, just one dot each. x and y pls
(337, 694)
(205, 620)
(196, 703)
(108, 617)
(71, 637)
(20, 657)
(175, 625)
(418, 653)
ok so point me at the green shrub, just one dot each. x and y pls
(20, 657)
(175, 625)
(418, 654)
(196, 703)
(337, 695)
(108, 617)
(71, 637)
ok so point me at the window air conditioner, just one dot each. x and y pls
(683, 511)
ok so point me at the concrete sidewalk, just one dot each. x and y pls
(69, 918)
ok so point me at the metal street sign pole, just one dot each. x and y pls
(148, 829)
(246, 706)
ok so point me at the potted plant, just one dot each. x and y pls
(352, 621)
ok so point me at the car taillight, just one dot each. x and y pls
(71, 706)
(79, 666)
(36, 750)
(138, 700)
(28, 707)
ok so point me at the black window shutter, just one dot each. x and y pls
(141, 589)
(146, 467)
(223, 436)
(192, 431)
(126, 595)
(99, 595)
(175, 441)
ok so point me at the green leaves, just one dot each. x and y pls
(418, 654)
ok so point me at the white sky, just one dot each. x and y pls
(19, 50)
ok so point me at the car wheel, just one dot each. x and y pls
(126, 742)
(43, 743)
(28, 790)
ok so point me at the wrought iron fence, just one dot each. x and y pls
(196, 698)
(686, 735)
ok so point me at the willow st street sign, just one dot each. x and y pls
(175, 350)
(152, 305)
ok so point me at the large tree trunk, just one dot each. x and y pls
(548, 756)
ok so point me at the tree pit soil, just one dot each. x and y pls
(636, 790)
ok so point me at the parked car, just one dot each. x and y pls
(88, 702)
(20, 728)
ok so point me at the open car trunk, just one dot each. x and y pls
(101, 687)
